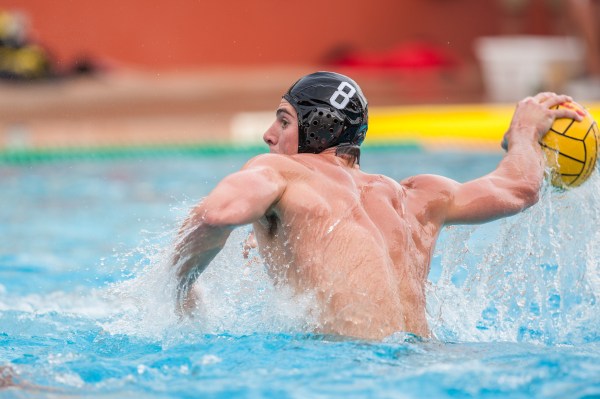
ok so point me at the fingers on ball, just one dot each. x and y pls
(567, 113)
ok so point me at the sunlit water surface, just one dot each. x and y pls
(86, 302)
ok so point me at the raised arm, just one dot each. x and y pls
(239, 199)
(514, 185)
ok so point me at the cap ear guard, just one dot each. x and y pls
(331, 111)
(319, 128)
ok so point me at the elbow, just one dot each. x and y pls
(217, 218)
(528, 196)
(223, 214)
(531, 199)
(224, 218)
(208, 217)
(522, 193)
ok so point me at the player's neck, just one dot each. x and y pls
(344, 160)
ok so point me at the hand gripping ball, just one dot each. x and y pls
(571, 148)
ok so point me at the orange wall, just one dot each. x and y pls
(193, 33)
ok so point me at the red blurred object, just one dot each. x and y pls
(408, 56)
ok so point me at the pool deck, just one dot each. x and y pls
(134, 108)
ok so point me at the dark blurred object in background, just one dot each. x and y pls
(21, 59)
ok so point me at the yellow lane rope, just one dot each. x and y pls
(465, 126)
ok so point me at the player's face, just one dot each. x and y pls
(282, 136)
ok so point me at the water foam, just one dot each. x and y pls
(238, 297)
(533, 277)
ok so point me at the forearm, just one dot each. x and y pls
(513, 186)
(197, 246)
(522, 168)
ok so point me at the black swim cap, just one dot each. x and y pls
(332, 110)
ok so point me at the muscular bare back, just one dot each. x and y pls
(354, 240)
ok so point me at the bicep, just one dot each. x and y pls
(446, 201)
(485, 199)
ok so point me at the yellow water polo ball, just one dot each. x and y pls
(571, 148)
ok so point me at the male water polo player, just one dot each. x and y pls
(362, 243)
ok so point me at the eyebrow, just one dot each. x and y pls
(282, 111)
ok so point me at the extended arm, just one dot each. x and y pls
(239, 199)
(514, 185)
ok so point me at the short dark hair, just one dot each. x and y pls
(350, 153)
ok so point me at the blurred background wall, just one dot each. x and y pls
(167, 34)
(120, 72)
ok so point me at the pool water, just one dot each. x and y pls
(85, 300)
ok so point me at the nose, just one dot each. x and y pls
(270, 138)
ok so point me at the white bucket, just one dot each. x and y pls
(515, 67)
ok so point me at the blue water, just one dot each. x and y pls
(85, 305)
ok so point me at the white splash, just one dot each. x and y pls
(533, 277)
(238, 297)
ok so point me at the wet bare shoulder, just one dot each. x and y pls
(283, 164)
(429, 184)
(428, 196)
(382, 185)
(384, 181)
